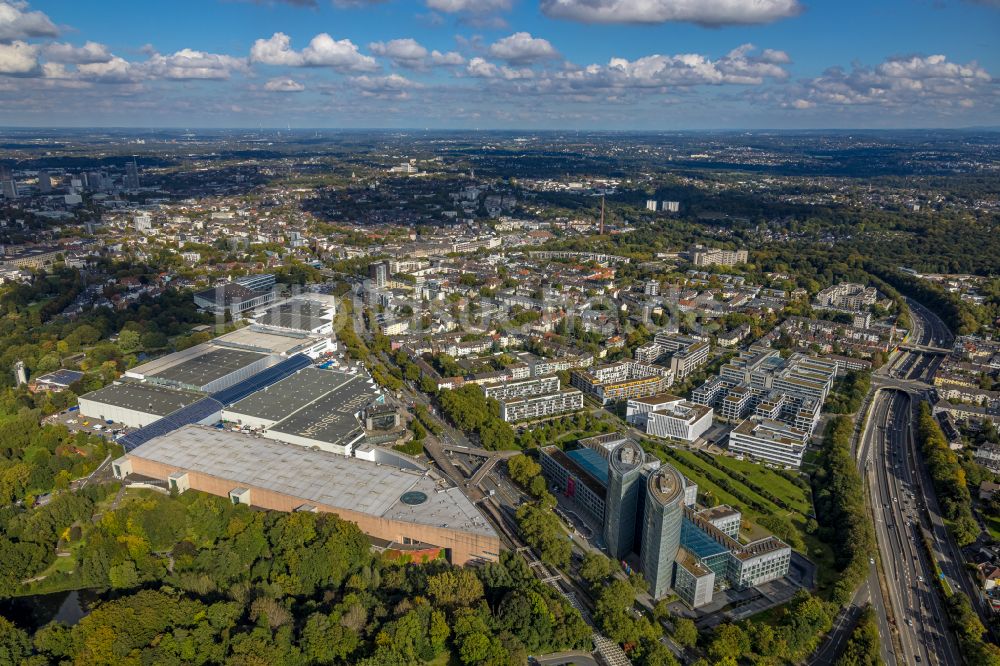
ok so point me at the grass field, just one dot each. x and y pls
(992, 526)
(771, 481)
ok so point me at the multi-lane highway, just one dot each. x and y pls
(888, 459)
(917, 620)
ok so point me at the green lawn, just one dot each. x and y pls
(992, 526)
(772, 481)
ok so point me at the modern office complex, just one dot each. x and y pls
(581, 474)
(624, 498)
(769, 440)
(760, 382)
(668, 415)
(661, 536)
(648, 508)
(400, 509)
(683, 354)
(622, 380)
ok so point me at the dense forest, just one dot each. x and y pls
(196, 580)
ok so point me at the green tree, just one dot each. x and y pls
(685, 632)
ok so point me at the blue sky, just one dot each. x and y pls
(617, 64)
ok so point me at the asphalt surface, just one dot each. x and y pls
(896, 499)
(908, 371)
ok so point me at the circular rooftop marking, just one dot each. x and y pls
(413, 498)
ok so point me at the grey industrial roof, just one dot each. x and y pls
(298, 315)
(291, 394)
(208, 367)
(146, 398)
(330, 418)
(314, 476)
(61, 377)
(270, 341)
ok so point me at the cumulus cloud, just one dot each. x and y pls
(901, 81)
(739, 67)
(322, 51)
(403, 52)
(18, 58)
(483, 69)
(392, 86)
(90, 52)
(116, 70)
(477, 6)
(19, 22)
(521, 49)
(191, 64)
(409, 53)
(702, 12)
(277, 50)
(284, 85)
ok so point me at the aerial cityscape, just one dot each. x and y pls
(461, 332)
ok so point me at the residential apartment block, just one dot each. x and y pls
(622, 380)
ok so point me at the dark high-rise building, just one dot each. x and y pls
(44, 182)
(661, 536)
(379, 273)
(624, 499)
(131, 175)
(7, 183)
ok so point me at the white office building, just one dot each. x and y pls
(771, 441)
(667, 415)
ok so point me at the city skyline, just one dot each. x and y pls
(501, 64)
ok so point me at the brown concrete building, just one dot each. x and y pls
(403, 507)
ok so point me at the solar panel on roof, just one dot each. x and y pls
(192, 413)
(274, 374)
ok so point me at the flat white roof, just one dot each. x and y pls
(314, 476)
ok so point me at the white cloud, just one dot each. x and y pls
(521, 48)
(392, 86)
(90, 52)
(116, 70)
(477, 6)
(322, 51)
(739, 67)
(899, 82)
(703, 12)
(276, 50)
(191, 64)
(411, 54)
(403, 52)
(18, 58)
(284, 85)
(18, 22)
(484, 69)
(447, 59)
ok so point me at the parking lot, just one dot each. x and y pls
(76, 422)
